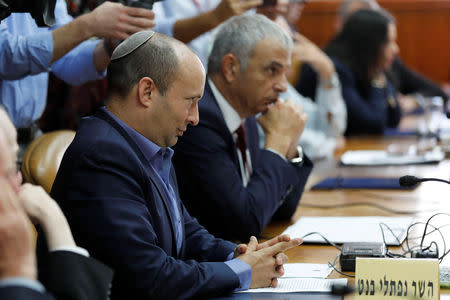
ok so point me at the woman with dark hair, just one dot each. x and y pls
(362, 54)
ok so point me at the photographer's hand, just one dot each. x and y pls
(109, 20)
(186, 30)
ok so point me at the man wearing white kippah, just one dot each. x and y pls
(118, 189)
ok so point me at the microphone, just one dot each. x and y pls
(342, 289)
(409, 181)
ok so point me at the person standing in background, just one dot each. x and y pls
(28, 53)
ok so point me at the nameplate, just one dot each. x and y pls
(396, 278)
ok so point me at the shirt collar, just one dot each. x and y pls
(231, 116)
(155, 154)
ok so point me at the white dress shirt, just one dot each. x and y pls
(233, 121)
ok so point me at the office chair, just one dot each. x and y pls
(43, 157)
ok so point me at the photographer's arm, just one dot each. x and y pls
(186, 30)
(28, 53)
(109, 20)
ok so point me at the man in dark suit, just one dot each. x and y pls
(234, 189)
(70, 273)
(119, 191)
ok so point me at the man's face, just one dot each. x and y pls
(179, 107)
(8, 152)
(264, 79)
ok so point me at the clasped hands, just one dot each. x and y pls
(266, 259)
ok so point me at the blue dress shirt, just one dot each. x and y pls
(25, 59)
(161, 161)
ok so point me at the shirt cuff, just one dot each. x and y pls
(330, 92)
(74, 249)
(77, 66)
(22, 282)
(40, 47)
(243, 271)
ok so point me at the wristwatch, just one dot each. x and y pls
(298, 161)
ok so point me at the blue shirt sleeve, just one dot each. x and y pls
(22, 55)
(165, 18)
(242, 270)
(22, 282)
(26, 49)
(77, 66)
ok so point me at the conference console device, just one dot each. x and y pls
(350, 251)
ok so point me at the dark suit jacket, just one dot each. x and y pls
(369, 114)
(408, 81)
(117, 210)
(71, 276)
(210, 184)
(67, 276)
(22, 293)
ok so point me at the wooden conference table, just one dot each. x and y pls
(425, 200)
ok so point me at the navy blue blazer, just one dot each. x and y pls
(22, 293)
(118, 211)
(365, 115)
(210, 181)
(71, 276)
(67, 275)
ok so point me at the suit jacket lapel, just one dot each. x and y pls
(154, 178)
(211, 116)
(251, 132)
(151, 173)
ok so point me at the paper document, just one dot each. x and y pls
(383, 158)
(306, 270)
(292, 285)
(351, 229)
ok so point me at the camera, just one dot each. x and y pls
(148, 4)
(274, 2)
(269, 3)
(42, 11)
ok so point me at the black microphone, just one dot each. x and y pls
(342, 289)
(409, 181)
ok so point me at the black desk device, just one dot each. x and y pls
(352, 250)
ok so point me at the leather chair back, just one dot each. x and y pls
(42, 158)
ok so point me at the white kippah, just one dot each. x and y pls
(131, 43)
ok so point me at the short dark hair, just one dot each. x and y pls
(360, 42)
(156, 59)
